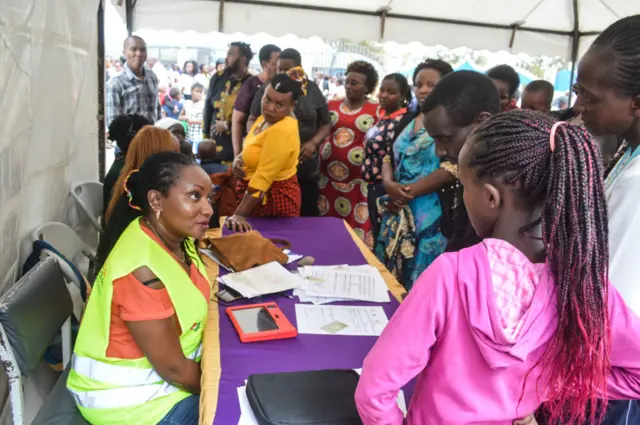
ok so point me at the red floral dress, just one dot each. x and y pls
(343, 192)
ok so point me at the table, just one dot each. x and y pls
(227, 363)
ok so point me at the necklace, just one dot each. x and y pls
(182, 260)
(621, 166)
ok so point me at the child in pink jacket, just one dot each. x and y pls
(525, 317)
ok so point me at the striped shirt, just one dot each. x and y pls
(129, 94)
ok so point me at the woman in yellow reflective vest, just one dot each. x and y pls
(137, 356)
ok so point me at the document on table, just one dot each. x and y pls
(291, 256)
(353, 283)
(304, 298)
(340, 320)
(247, 416)
(267, 279)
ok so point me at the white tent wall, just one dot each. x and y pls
(545, 27)
(48, 97)
(48, 86)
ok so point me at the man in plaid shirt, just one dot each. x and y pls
(135, 90)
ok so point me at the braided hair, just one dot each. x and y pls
(621, 40)
(405, 90)
(282, 83)
(368, 70)
(159, 172)
(566, 181)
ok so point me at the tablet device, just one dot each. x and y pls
(261, 322)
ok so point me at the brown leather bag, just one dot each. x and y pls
(242, 251)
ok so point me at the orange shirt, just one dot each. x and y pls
(133, 302)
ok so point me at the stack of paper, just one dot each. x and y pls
(267, 279)
(339, 283)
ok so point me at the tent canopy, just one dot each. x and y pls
(536, 27)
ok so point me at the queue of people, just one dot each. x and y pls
(513, 240)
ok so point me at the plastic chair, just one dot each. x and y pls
(67, 243)
(90, 199)
(32, 311)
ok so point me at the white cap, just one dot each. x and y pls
(166, 123)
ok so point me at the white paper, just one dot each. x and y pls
(304, 298)
(352, 283)
(292, 257)
(401, 401)
(269, 278)
(246, 413)
(359, 321)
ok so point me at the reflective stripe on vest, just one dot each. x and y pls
(122, 397)
(146, 381)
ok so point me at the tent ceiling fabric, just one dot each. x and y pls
(546, 25)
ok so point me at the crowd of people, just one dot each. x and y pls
(512, 234)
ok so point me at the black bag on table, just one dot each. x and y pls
(324, 397)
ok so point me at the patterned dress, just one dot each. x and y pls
(415, 158)
(343, 192)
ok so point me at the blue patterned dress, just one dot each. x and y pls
(415, 158)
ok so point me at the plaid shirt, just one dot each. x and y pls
(128, 94)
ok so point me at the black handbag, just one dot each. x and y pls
(324, 397)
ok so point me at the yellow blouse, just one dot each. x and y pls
(272, 154)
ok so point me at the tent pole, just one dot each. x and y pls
(383, 21)
(129, 5)
(221, 16)
(101, 79)
(575, 45)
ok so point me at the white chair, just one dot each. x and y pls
(66, 242)
(90, 199)
(31, 313)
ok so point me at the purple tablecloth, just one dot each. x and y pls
(329, 242)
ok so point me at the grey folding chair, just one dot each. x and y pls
(31, 313)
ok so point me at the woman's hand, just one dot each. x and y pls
(238, 168)
(220, 127)
(397, 192)
(237, 223)
(395, 207)
(307, 151)
(529, 420)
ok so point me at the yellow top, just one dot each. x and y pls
(272, 154)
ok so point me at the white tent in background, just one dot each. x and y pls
(537, 27)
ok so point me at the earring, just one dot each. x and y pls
(158, 214)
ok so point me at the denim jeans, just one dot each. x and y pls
(186, 412)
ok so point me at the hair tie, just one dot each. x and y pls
(552, 136)
(126, 189)
(298, 74)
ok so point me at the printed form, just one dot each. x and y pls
(346, 283)
(340, 320)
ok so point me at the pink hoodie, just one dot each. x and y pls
(449, 333)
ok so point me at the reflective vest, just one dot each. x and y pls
(129, 391)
